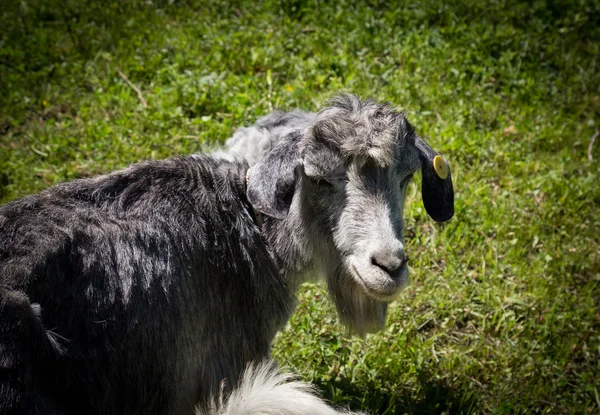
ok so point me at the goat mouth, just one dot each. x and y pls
(389, 285)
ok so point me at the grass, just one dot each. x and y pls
(502, 314)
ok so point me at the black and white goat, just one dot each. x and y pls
(141, 291)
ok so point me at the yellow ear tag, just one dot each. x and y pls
(440, 166)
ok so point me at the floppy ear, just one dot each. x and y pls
(437, 191)
(272, 181)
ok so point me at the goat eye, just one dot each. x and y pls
(321, 182)
(324, 182)
(406, 180)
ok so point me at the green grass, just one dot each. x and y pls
(502, 314)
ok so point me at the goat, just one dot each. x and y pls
(142, 290)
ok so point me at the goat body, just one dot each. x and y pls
(149, 293)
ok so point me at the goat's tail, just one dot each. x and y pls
(264, 390)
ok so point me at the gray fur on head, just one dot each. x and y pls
(362, 128)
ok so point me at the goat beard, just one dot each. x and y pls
(359, 312)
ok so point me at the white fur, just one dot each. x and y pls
(263, 390)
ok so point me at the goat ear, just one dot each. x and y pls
(437, 191)
(272, 181)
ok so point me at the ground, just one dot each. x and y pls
(502, 313)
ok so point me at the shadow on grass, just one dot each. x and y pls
(432, 397)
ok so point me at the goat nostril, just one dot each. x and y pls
(388, 263)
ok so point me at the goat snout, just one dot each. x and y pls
(389, 260)
(383, 272)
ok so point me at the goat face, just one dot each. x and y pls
(344, 179)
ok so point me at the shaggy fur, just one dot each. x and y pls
(140, 291)
(264, 390)
(252, 143)
(124, 268)
(362, 128)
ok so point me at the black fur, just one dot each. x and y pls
(111, 287)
